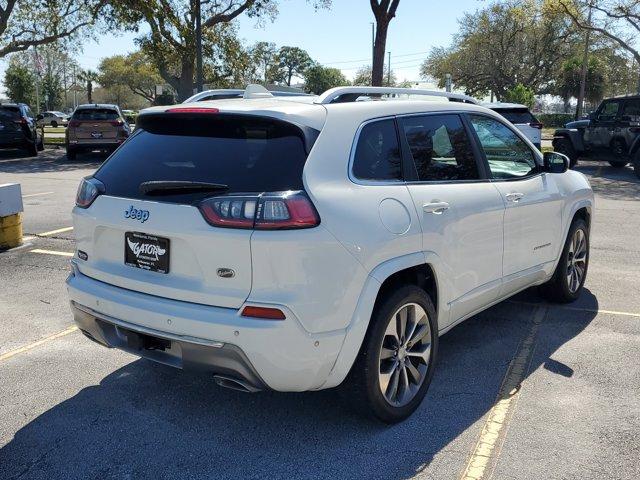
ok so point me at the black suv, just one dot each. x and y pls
(18, 128)
(610, 133)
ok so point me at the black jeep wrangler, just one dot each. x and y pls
(610, 133)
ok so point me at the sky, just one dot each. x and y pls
(339, 37)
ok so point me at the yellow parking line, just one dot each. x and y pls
(489, 444)
(584, 309)
(51, 252)
(12, 353)
(37, 194)
(53, 232)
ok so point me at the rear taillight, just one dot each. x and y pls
(21, 121)
(267, 211)
(117, 123)
(537, 125)
(88, 190)
(73, 123)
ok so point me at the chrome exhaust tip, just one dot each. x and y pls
(234, 384)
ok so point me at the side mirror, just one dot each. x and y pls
(555, 162)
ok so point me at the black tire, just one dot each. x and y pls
(558, 288)
(54, 124)
(71, 154)
(564, 146)
(636, 167)
(32, 149)
(618, 163)
(40, 145)
(363, 382)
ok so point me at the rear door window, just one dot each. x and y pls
(94, 114)
(248, 154)
(632, 109)
(440, 148)
(377, 155)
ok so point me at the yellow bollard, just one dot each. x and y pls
(11, 231)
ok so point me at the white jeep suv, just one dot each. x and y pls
(293, 243)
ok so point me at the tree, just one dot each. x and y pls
(384, 11)
(51, 91)
(265, 55)
(31, 23)
(89, 77)
(520, 94)
(293, 62)
(171, 41)
(518, 41)
(319, 79)
(569, 81)
(19, 82)
(363, 77)
(618, 20)
(134, 72)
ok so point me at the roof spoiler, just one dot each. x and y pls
(351, 94)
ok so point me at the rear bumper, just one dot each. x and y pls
(193, 354)
(278, 355)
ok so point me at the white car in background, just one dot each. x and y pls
(53, 118)
(522, 118)
(298, 243)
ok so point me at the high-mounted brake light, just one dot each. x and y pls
(267, 211)
(263, 312)
(192, 110)
(88, 190)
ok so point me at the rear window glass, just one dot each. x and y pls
(516, 115)
(247, 154)
(377, 154)
(96, 114)
(9, 112)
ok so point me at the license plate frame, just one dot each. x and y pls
(147, 252)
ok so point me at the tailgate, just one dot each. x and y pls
(196, 251)
(95, 130)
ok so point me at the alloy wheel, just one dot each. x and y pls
(404, 354)
(577, 260)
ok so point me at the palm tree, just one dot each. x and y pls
(88, 76)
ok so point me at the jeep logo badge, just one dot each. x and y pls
(135, 214)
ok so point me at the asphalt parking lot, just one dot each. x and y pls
(525, 390)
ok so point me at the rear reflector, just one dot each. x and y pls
(263, 312)
(192, 110)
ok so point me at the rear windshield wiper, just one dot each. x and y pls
(178, 187)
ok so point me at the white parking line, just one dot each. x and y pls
(582, 309)
(51, 252)
(53, 232)
(37, 194)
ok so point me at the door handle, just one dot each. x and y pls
(514, 197)
(436, 208)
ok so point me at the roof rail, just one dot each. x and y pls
(351, 94)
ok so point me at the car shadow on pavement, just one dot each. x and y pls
(611, 183)
(47, 161)
(150, 421)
